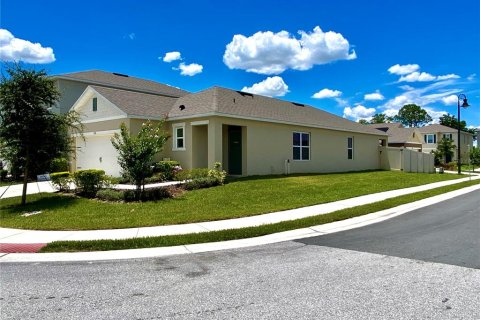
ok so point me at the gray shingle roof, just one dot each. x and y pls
(396, 132)
(433, 128)
(137, 103)
(109, 79)
(222, 101)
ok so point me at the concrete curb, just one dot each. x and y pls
(233, 244)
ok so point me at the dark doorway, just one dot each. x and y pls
(448, 158)
(235, 150)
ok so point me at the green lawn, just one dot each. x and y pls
(224, 235)
(239, 198)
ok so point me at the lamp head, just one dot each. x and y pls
(465, 103)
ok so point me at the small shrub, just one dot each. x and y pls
(110, 195)
(452, 166)
(167, 168)
(192, 174)
(217, 173)
(61, 180)
(59, 165)
(150, 194)
(89, 181)
(157, 177)
(200, 183)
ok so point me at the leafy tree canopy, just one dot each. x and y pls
(136, 153)
(411, 115)
(31, 136)
(381, 118)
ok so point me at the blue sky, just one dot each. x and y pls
(356, 57)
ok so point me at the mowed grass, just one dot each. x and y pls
(250, 232)
(239, 198)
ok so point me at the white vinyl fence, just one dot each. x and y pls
(406, 160)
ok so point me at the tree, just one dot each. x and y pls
(381, 118)
(411, 115)
(136, 152)
(363, 121)
(31, 136)
(445, 149)
(475, 156)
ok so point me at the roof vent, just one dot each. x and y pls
(298, 104)
(181, 107)
(120, 74)
(245, 94)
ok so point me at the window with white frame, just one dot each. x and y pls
(301, 146)
(448, 136)
(350, 148)
(179, 136)
(430, 138)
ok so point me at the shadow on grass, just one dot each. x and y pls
(38, 202)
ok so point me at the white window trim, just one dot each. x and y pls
(448, 134)
(300, 146)
(352, 148)
(426, 138)
(175, 127)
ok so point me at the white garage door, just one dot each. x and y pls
(97, 152)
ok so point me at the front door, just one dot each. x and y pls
(234, 150)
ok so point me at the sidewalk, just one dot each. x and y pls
(11, 237)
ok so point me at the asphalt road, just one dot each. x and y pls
(448, 232)
(290, 280)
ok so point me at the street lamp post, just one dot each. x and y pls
(464, 104)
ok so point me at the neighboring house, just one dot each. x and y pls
(72, 85)
(432, 134)
(400, 137)
(249, 134)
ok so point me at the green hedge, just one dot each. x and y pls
(61, 180)
(166, 168)
(89, 181)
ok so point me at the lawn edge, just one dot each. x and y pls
(250, 232)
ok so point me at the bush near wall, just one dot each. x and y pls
(89, 181)
(61, 180)
(167, 169)
(151, 194)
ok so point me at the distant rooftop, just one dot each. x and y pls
(122, 81)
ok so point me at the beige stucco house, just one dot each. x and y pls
(432, 134)
(400, 137)
(249, 134)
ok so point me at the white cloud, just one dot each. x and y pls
(15, 49)
(375, 96)
(130, 36)
(172, 56)
(403, 69)
(472, 77)
(273, 53)
(450, 100)
(327, 93)
(431, 94)
(271, 87)
(358, 112)
(447, 76)
(417, 76)
(406, 87)
(189, 69)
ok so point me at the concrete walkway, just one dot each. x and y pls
(18, 236)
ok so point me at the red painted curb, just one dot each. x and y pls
(21, 247)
